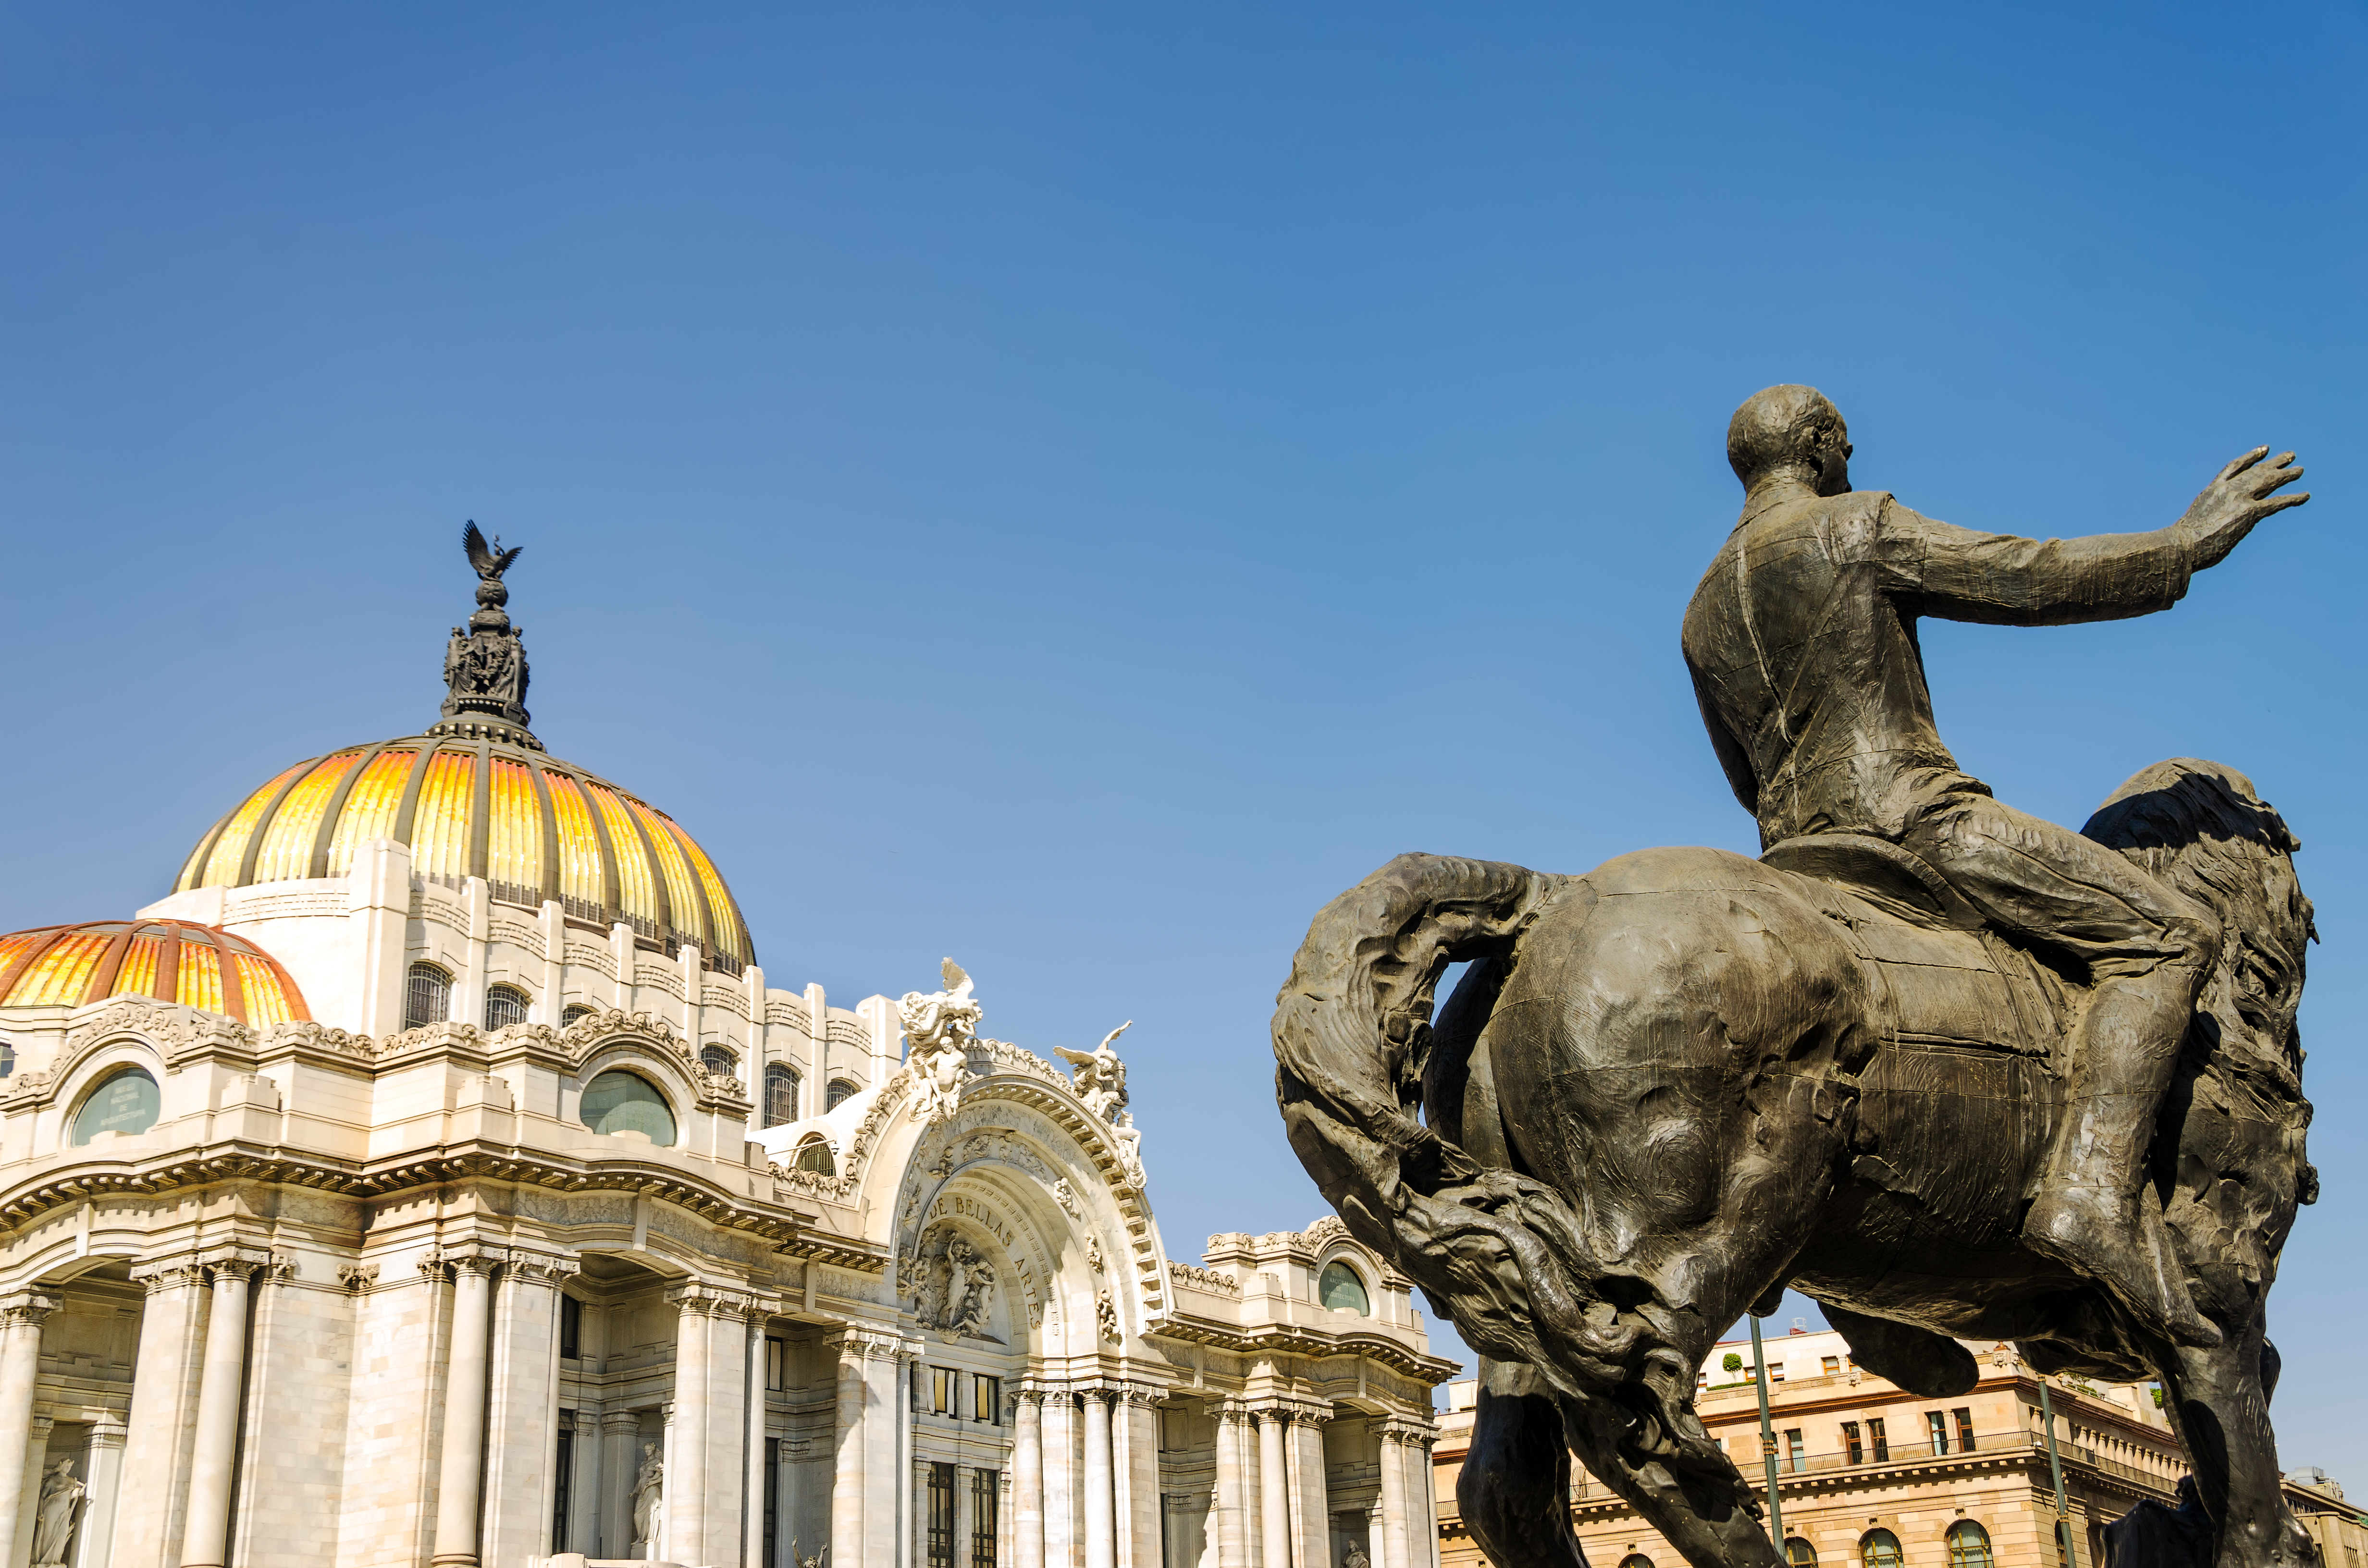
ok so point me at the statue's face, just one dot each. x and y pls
(1833, 455)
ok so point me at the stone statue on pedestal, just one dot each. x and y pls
(1953, 1072)
(53, 1523)
(649, 1492)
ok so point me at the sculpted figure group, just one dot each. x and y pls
(1952, 1070)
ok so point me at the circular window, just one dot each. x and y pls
(627, 1102)
(1339, 1287)
(125, 1101)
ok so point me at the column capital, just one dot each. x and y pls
(621, 1422)
(1141, 1394)
(708, 1300)
(108, 1431)
(853, 1343)
(1231, 1412)
(171, 1273)
(26, 1309)
(240, 1262)
(357, 1277)
(527, 1266)
(43, 1424)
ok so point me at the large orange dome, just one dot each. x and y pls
(533, 828)
(173, 960)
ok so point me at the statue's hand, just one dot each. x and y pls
(2238, 498)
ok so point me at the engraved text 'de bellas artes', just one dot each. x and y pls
(484, 665)
(1950, 1070)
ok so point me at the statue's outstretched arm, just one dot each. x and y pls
(1960, 574)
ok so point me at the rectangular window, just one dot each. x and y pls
(1875, 1439)
(1776, 1373)
(563, 1472)
(777, 1364)
(1830, 1365)
(942, 1392)
(1851, 1452)
(941, 1516)
(571, 1327)
(986, 1399)
(772, 1499)
(1964, 1415)
(1796, 1454)
(1935, 1427)
(985, 1492)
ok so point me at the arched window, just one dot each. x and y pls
(1339, 1287)
(626, 1102)
(1635, 1560)
(1969, 1545)
(125, 1101)
(781, 1094)
(8, 1059)
(813, 1155)
(841, 1091)
(504, 1005)
(1799, 1553)
(715, 1059)
(429, 999)
(573, 1012)
(1880, 1548)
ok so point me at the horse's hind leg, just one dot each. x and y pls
(2219, 1399)
(1514, 1492)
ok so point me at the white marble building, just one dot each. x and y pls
(433, 1178)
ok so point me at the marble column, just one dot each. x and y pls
(1422, 1521)
(863, 1502)
(102, 1473)
(965, 1515)
(1390, 1539)
(1232, 1510)
(1274, 1491)
(685, 1497)
(1311, 1504)
(1028, 1479)
(220, 1388)
(1063, 1546)
(20, 1365)
(1135, 1476)
(516, 1484)
(1101, 1521)
(164, 1403)
(621, 1458)
(460, 1470)
(752, 1442)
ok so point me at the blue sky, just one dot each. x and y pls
(1075, 487)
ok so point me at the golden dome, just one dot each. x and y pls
(173, 960)
(533, 828)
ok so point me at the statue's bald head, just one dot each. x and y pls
(1790, 432)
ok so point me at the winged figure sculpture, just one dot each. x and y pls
(489, 560)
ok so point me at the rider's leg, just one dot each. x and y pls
(2148, 948)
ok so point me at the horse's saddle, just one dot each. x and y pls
(1937, 973)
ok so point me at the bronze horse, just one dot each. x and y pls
(1667, 1089)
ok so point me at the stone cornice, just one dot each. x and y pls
(1282, 1339)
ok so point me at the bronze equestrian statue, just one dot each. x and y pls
(1951, 1071)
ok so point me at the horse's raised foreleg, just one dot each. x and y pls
(1514, 1490)
(1689, 1492)
(2219, 1401)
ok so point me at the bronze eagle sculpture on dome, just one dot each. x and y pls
(491, 561)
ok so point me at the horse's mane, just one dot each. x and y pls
(2201, 827)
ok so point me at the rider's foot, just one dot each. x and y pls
(2110, 1240)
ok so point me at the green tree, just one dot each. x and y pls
(1734, 1363)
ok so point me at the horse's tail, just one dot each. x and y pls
(1500, 1255)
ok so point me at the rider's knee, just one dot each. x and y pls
(2193, 936)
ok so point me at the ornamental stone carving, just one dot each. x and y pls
(1100, 1079)
(939, 1030)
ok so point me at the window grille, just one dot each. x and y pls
(841, 1091)
(575, 1011)
(504, 1005)
(430, 998)
(986, 1494)
(781, 1094)
(1969, 1545)
(1880, 1548)
(715, 1059)
(813, 1155)
(941, 1516)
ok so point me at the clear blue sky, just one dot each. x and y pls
(1075, 487)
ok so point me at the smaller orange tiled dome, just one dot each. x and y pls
(173, 960)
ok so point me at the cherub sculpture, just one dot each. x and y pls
(939, 1030)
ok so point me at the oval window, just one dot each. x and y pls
(1339, 1287)
(627, 1102)
(126, 1101)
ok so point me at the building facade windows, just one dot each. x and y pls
(428, 997)
(813, 1155)
(715, 1059)
(781, 1094)
(941, 1516)
(1853, 1453)
(841, 1091)
(1969, 1545)
(574, 1013)
(1964, 1416)
(1799, 1553)
(125, 1101)
(986, 1399)
(1880, 1548)
(985, 1499)
(504, 1005)
(1877, 1441)
(626, 1102)
(1339, 1287)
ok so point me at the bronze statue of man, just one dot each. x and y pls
(1801, 642)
